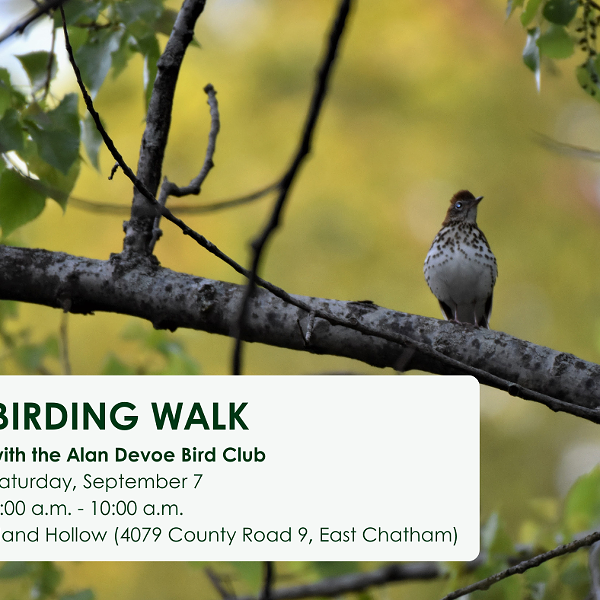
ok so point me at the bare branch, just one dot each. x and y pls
(138, 230)
(269, 576)
(196, 183)
(182, 209)
(170, 189)
(525, 565)
(567, 149)
(320, 90)
(371, 334)
(357, 582)
(218, 584)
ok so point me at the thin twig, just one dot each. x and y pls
(357, 582)
(320, 90)
(525, 565)
(195, 185)
(218, 584)
(90, 106)
(168, 188)
(50, 64)
(567, 149)
(269, 577)
(122, 209)
(484, 377)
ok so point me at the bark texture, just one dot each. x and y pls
(170, 300)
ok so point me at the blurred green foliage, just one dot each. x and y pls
(564, 577)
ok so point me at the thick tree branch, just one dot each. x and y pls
(353, 323)
(170, 300)
(138, 230)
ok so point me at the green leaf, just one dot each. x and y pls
(165, 22)
(53, 184)
(121, 56)
(78, 11)
(556, 43)
(78, 36)
(180, 363)
(19, 203)
(12, 569)
(494, 538)
(9, 96)
(530, 11)
(56, 134)
(251, 572)
(11, 132)
(50, 181)
(151, 51)
(333, 568)
(511, 5)
(47, 578)
(5, 96)
(582, 505)
(30, 357)
(9, 309)
(113, 365)
(540, 574)
(39, 66)
(560, 12)
(587, 76)
(531, 54)
(576, 574)
(136, 12)
(92, 140)
(95, 58)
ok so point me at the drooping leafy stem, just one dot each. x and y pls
(587, 72)
(555, 28)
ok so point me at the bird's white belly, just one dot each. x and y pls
(461, 277)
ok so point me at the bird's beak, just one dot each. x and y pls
(478, 200)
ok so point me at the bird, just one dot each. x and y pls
(460, 268)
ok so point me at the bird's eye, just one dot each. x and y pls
(458, 205)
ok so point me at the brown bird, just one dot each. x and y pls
(460, 267)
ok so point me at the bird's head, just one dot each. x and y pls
(463, 207)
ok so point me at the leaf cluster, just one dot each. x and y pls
(41, 580)
(40, 136)
(555, 30)
(563, 577)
